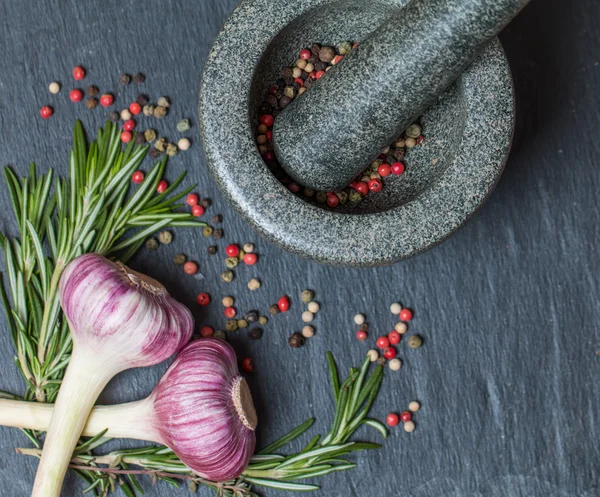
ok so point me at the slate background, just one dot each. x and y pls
(508, 376)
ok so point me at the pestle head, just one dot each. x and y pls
(326, 137)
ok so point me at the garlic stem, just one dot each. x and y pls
(132, 420)
(84, 380)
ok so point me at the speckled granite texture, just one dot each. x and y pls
(330, 134)
(468, 133)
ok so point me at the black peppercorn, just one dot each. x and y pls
(125, 79)
(308, 84)
(313, 59)
(364, 327)
(218, 219)
(256, 333)
(321, 66)
(276, 113)
(399, 153)
(287, 73)
(251, 316)
(114, 117)
(154, 153)
(326, 54)
(218, 234)
(139, 78)
(205, 202)
(296, 340)
(212, 250)
(93, 90)
(142, 99)
(274, 309)
(91, 103)
(315, 49)
(140, 139)
(272, 101)
(284, 102)
(265, 109)
(288, 81)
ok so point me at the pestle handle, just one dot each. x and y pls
(330, 134)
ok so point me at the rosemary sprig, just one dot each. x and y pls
(93, 210)
(268, 468)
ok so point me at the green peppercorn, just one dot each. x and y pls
(413, 131)
(227, 276)
(180, 259)
(165, 237)
(212, 250)
(263, 320)
(207, 231)
(415, 342)
(152, 243)
(254, 284)
(220, 334)
(309, 192)
(160, 112)
(290, 92)
(354, 197)
(343, 196)
(344, 48)
(296, 340)
(307, 296)
(274, 309)
(172, 150)
(231, 325)
(242, 323)
(321, 197)
(241, 255)
(251, 316)
(161, 144)
(148, 110)
(183, 125)
(231, 262)
(150, 135)
(255, 333)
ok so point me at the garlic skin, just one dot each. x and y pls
(128, 315)
(203, 411)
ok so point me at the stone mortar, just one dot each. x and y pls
(468, 136)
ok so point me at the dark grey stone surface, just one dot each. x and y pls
(331, 134)
(468, 131)
(508, 376)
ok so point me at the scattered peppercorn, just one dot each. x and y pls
(255, 333)
(250, 259)
(148, 110)
(183, 125)
(54, 87)
(172, 150)
(190, 267)
(140, 139)
(218, 234)
(205, 202)
(415, 342)
(381, 361)
(154, 153)
(135, 108)
(248, 247)
(392, 419)
(242, 323)
(212, 249)
(218, 219)
(409, 427)
(389, 353)
(165, 237)
(152, 243)
(113, 117)
(308, 331)
(373, 355)
(137, 177)
(308, 316)
(263, 320)
(139, 78)
(296, 340)
(126, 136)
(401, 327)
(284, 303)
(46, 112)
(395, 308)
(414, 406)
(198, 211)
(207, 230)
(179, 259)
(274, 309)
(230, 312)
(78, 73)
(361, 335)
(125, 79)
(184, 144)
(142, 99)
(160, 112)
(394, 337)
(227, 276)
(92, 90)
(76, 95)
(383, 343)
(307, 296)
(254, 284)
(206, 332)
(314, 307)
(232, 250)
(106, 100)
(251, 316)
(359, 319)
(125, 115)
(406, 315)
(248, 365)
(163, 101)
(231, 325)
(395, 364)
(231, 262)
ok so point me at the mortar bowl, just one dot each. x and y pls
(468, 133)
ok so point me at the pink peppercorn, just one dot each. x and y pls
(319, 74)
(250, 259)
(230, 312)
(267, 120)
(384, 170)
(389, 353)
(406, 416)
(106, 100)
(206, 332)
(362, 188)
(197, 210)
(138, 177)
(383, 342)
(203, 298)
(192, 199)
(129, 125)
(76, 95)
(232, 250)
(305, 54)
(126, 136)
(332, 200)
(361, 335)
(78, 73)
(135, 108)
(375, 185)
(406, 315)
(46, 111)
(162, 186)
(397, 168)
(294, 187)
(392, 419)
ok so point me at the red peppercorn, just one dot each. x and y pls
(192, 199)
(232, 250)
(206, 332)
(313, 75)
(361, 335)
(135, 108)
(250, 259)
(46, 111)
(362, 188)
(138, 177)
(392, 420)
(284, 303)
(247, 365)
(203, 298)
(269, 135)
(267, 120)
(300, 81)
(394, 337)
(126, 136)
(268, 156)
(106, 100)
(129, 125)
(273, 89)
(406, 315)
(406, 416)
(389, 353)
(375, 185)
(319, 74)
(383, 342)
(305, 54)
(332, 200)
(197, 210)
(397, 168)
(230, 312)
(420, 139)
(294, 187)
(162, 186)
(76, 95)
(190, 267)
(384, 170)
(382, 157)
(78, 73)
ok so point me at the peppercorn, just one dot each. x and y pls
(165, 237)
(140, 139)
(413, 131)
(343, 196)
(161, 144)
(399, 154)
(125, 79)
(255, 333)
(320, 66)
(401, 327)
(183, 125)
(274, 309)
(364, 327)
(231, 262)
(308, 331)
(251, 316)
(359, 319)
(230, 312)
(415, 342)
(220, 334)
(46, 112)
(395, 308)
(137, 177)
(152, 243)
(373, 355)
(91, 103)
(150, 135)
(148, 110)
(207, 231)
(180, 259)
(231, 325)
(411, 142)
(154, 153)
(212, 250)
(54, 87)
(227, 276)
(289, 92)
(242, 323)
(163, 102)
(406, 315)
(126, 136)
(248, 248)
(381, 361)
(284, 101)
(190, 267)
(355, 197)
(76, 95)
(160, 112)
(113, 116)
(414, 406)
(142, 99)
(409, 427)
(172, 150)
(344, 48)
(307, 296)
(314, 307)
(296, 340)
(361, 335)
(107, 100)
(218, 234)
(321, 197)
(205, 202)
(254, 284)
(263, 320)
(139, 78)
